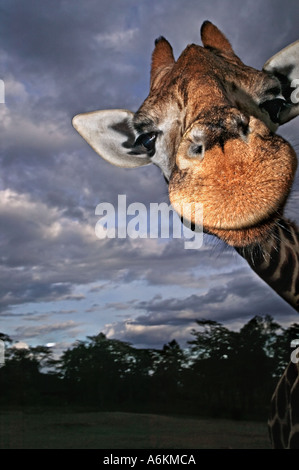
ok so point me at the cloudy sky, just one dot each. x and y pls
(58, 281)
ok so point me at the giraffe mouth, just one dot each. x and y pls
(239, 237)
(246, 236)
(242, 188)
(231, 223)
(242, 184)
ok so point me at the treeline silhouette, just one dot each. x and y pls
(222, 373)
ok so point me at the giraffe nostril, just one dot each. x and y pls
(196, 150)
(242, 122)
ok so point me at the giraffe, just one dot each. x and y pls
(276, 262)
(209, 123)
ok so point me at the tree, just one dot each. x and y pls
(97, 369)
(232, 372)
(168, 369)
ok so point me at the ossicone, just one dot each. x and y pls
(162, 59)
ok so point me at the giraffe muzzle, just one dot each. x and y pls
(241, 173)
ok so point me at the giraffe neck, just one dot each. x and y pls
(283, 423)
(276, 261)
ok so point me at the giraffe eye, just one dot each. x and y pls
(274, 108)
(147, 141)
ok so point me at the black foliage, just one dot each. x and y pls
(222, 373)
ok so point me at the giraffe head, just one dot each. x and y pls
(209, 123)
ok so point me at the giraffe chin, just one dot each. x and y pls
(244, 237)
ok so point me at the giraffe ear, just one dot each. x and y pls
(110, 134)
(285, 66)
(211, 36)
(162, 60)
